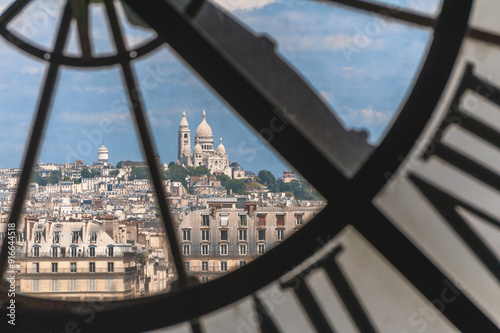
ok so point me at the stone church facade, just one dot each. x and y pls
(203, 153)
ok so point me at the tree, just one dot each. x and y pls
(223, 179)
(238, 186)
(139, 173)
(268, 179)
(37, 179)
(200, 171)
(114, 172)
(85, 173)
(176, 173)
(171, 164)
(95, 173)
(55, 177)
(119, 165)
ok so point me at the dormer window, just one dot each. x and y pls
(38, 236)
(205, 222)
(93, 237)
(110, 251)
(56, 236)
(243, 220)
(74, 236)
(262, 220)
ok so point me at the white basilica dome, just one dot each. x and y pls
(204, 130)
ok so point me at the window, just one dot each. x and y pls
(186, 249)
(280, 234)
(92, 267)
(204, 279)
(224, 218)
(38, 236)
(204, 249)
(72, 267)
(261, 234)
(91, 284)
(242, 235)
(92, 251)
(54, 267)
(36, 251)
(186, 235)
(205, 222)
(187, 265)
(223, 266)
(110, 251)
(242, 263)
(93, 237)
(55, 237)
(72, 252)
(224, 235)
(111, 284)
(261, 249)
(35, 285)
(242, 249)
(223, 249)
(74, 236)
(262, 219)
(204, 265)
(54, 251)
(72, 284)
(111, 267)
(243, 220)
(280, 219)
(36, 267)
(205, 235)
(299, 219)
(54, 285)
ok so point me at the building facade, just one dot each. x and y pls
(84, 261)
(231, 233)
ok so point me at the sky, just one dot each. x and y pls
(363, 68)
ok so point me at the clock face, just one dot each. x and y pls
(410, 239)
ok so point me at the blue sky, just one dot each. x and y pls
(362, 66)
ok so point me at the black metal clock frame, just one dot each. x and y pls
(350, 199)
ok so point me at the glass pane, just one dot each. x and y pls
(233, 198)
(38, 22)
(361, 65)
(428, 7)
(91, 212)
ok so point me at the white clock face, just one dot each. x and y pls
(410, 239)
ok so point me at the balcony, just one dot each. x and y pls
(69, 270)
(97, 255)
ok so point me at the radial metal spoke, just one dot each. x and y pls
(387, 11)
(147, 142)
(80, 13)
(37, 131)
(12, 11)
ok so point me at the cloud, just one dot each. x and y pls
(85, 118)
(233, 5)
(4, 86)
(158, 119)
(365, 117)
(31, 70)
(339, 42)
(97, 89)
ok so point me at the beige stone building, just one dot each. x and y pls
(85, 261)
(232, 232)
